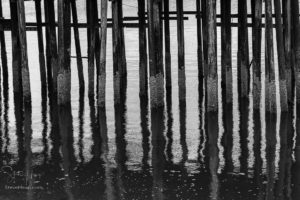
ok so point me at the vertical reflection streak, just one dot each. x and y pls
(213, 151)
(158, 156)
(67, 149)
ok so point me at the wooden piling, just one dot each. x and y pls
(23, 47)
(281, 57)
(97, 40)
(64, 48)
(200, 43)
(204, 33)
(102, 75)
(155, 55)
(243, 51)
(143, 49)
(269, 60)
(226, 57)
(77, 46)
(286, 16)
(40, 37)
(212, 76)
(168, 70)
(181, 53)
(296, 48)
(256, 41)
(3, 54)
(91, 47)
(119, 60)
(51, 46)
(16, 54)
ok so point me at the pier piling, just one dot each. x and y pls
(212, 76)
(24, 57)
(102, 71)
(155, 54)
(64, 47)
(269, 60)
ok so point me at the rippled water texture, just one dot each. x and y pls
(130, 152)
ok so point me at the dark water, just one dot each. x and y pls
(128, 151)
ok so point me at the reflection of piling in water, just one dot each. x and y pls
(158, 149)
(67, 149)
(213, 134)
(155, 54)
(280, 186)
(226, 52)
(256, 65)
(296, 174)
(269, 60)
(169, 127)
(243, 51)
(142, 49)
(181, 57)
(144, 113)
(121, 144)
(182, 122)
(227, 140)
(27, 143)
(77, 45)
(40, 37)
(244, 118)
(270, 154)
(258, 162)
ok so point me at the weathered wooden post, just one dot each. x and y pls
(281, 57)
(3, 54)
(168, 70)
(64, 48)
(155, 55)
(102, 75)
(243, 51)
(296, 43)
(97, 41)
(204, 18)
(269, 60)
(24, 58)
(286, 16)
(77, 46)
(16, 54)
(143, 49)
(212, 75)
(181, 52)
(256, 64)
(226, 62)
(200, 43)
(119, 60)
(43, 75)
(51, 45)
(91, 46)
